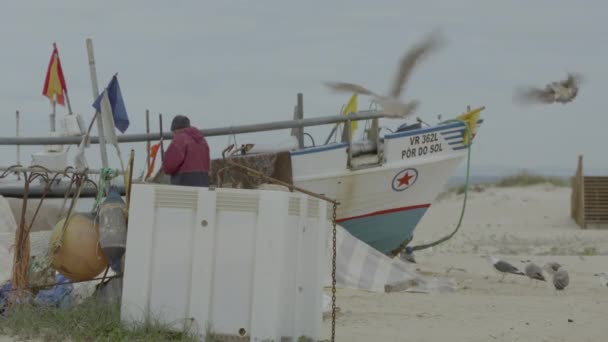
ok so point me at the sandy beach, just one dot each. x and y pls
(517, 225)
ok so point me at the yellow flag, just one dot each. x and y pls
(470, 118)
(351, 107)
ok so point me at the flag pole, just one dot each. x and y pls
(53, 116)
(18, 146)
(162, 146)
(95, 86)
(67, 99)
(65, 91)
(147, 140)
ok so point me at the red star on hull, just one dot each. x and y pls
(405, 180)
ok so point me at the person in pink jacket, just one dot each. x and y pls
(187, 157)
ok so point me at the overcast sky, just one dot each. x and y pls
(236, 62)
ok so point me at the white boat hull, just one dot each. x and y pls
(382, 205)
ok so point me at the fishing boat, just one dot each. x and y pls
(385, 192)
(384, 184)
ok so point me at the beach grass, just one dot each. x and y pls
(89, 321)
(520, 179)
(526, 178)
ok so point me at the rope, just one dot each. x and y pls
(55, 245)
(464, 202)
(107, 174)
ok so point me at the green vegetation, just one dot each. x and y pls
(589, 251)
(89, 321)
(526, 178)
(523, 178)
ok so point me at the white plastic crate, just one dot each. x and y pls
(248, 262)
(51, 160)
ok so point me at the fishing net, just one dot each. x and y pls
(225, 175)
(222, 174)
(275, 165)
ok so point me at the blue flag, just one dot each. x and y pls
(117, 105)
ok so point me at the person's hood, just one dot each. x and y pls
(194, 133)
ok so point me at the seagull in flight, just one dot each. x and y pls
(563, 91)
(391, 104)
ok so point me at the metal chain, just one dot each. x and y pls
(333, 277)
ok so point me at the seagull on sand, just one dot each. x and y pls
(552, 267)
(603, 279)
(391, 104)
(561, 279)
(563, 91)
(502, 266)
(534, 272)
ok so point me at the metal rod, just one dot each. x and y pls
(53, 116)
(18, 146)
(294, 131)
(331, 134)
(101, 139)
(300, 116)
(66, 283)
(162, 145)
(210, 132)
(147, 140)
(67, 100)
(40, 169)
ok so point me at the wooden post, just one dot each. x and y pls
(581, 193)
(129, 182)
(348, 134)
(575, 195)
(147, 140)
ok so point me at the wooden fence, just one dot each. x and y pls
(589, 201)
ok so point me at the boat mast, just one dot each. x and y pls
(95, 87)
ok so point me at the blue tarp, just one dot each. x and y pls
(58, 296)
(4, 292)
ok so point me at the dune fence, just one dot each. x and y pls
(589, 202)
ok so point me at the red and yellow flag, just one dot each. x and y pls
(54, 84)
